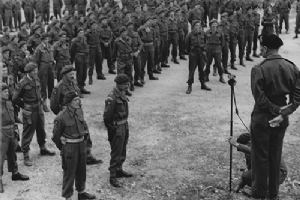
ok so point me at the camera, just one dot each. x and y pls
(231, 79)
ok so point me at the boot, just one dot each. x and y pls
(206, 78)
(153, 78)
(128, 93)
(1, 186)
(84, 91)
(138, 84)
(159, 68)
(165, 65)
(46, 152)
(90, 80)
(19, 149)
(111, 71)
(85, 196)
(101, 77)
(215, 71)
(189, 89)
(232, 66)
(182, 57)
(114, 182)
(123, 174)
(143, 81)
(248, 58)
(19, 177)
(91, 160)
(296, 36)
(255, 55)
(205, 87)
(45, 107)
(27, 160)
(131, 88)
(155, 71)
(242, 63)
(222, 80)
(175, 60)
(226, 71)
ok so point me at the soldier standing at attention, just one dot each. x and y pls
(256, 30)
(196, 49)
(57, 5)
(224, 27)
(241, 34)
(17, 14)
(249, 32)
(173, 35)
(8, 14)
(28, 96)
(79, 55)
(69, 135)
(297, 28)
(115, 118)
(214, 43)
(271, 81)
(9, 139)
(163, 28)
(27, 6)
(284, 7)
(43, 56)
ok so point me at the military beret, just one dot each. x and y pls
(4, 86)
(23, 23)
(21, 44)
(244, 138)
(121, 79)
(213, 21)
(147, 18)
(122, 29)
(271, 41)
(224, 14)
(68, 98)
(194, 22)
(116, 6)
(66, 69)
(29, 67)
(5, 48)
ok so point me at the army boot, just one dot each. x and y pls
(128, 93)
(205, 87)
(175, 60)
(248, 58)
(84, 91)
(189, 89)
(222, 79)
(296, 36)
(46, 152)
(114, 182)
(153, 78)
(242, 63)
(232, 66)
(27, 161)
(90, 80)
(131, 88)
(85, 196)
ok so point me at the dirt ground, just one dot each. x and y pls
(177, 147)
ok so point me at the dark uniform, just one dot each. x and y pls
(61, 54)
(297, 28)
(39, 8)
(79, 55)
(234, 30)
(81, 7)
(57, 6)
(268, 24)
(271, 81)
(224, 27)
(249, 33)
(173, 38)
(69, 134)
(8, 13)
(70, 6)
(46, 10)
(115, 118)
(23, 35)
(256, 32)
(284, 12)
(163, 28)
(241, 36)
(17, 14)
(27, 5)
(43, 56)
(213, 6)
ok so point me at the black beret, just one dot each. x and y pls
(69, 97)
(271, 41)
(213, 21)
(244, 138)
(66, 69)
(4, 86)
(121, 79)
(30, 66)
(102, 18)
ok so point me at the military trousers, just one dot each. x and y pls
(17, 19)
(267, 30)
(8, 19)
(74, 168)
(241, 44)
(57, 12)
(173, 40)
(215, 55)
(137, 68)
(164, 49)
(213, 14)
(297, 28)
(181, 43)
(118, 139)
(232, 47)
(46, 15)
(225, 52)
(8, 150)
(107, 53)
(81, 67)
(1, 21)
(125, 67)
(196, 59)
(147, 57)
(255, 38)
(95, 59)
(33, 121)
(284, 17)
(156, 53)
(266, 150)
(29, 15)
(46, 76)
(70, 8)
(249, 34)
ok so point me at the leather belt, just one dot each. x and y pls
(31, 106)
(148, 43)
(124, 121)
(73, 141)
